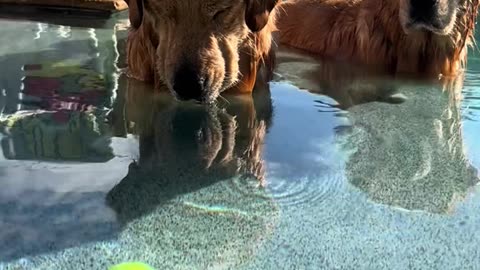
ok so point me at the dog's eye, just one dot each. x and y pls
(220, 13)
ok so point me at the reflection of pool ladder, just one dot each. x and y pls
(40, 29)
(114, 74)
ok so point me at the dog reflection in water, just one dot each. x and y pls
(185, 147)
(413, 155)
(406, 136)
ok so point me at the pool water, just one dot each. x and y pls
(327, 167)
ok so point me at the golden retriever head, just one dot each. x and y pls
(435, 16)
(199, 45)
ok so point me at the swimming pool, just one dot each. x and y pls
(353, 172)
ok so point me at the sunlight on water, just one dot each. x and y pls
(471, 91)
(471, 107)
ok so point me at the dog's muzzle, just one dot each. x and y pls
(188, 85)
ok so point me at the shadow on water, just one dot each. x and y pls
(73, 220)
(405, 137)
(185, 147)
(420, 161)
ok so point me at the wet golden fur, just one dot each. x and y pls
(231, 52)
(370, 32)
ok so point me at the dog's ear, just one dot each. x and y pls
(135, 12)
(257, 13)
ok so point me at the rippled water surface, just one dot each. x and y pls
(325, 168)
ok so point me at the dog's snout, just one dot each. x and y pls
(423, 10)
(188, 84)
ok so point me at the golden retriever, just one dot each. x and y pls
(416, 37)
(199, 49)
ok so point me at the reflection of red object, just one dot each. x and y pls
(49, 91)
(61, 117)
(32, 67)
(39, 87)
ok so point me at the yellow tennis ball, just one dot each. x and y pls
(131, 266)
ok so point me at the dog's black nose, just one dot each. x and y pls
(188, 84)
(422, 10)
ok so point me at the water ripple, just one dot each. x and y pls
(290, 191)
